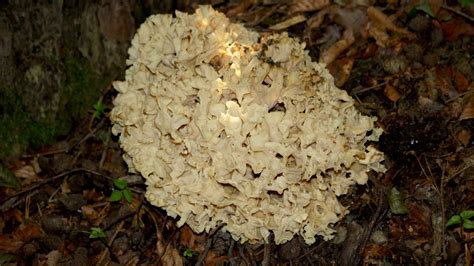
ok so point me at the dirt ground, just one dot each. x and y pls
(408, 63)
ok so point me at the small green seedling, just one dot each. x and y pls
(121, 190)
(96, 232)
(188, 253)
(425, 8)
(99, 109)
(463, 219)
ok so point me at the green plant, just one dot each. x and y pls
(96, 232)
(121, 190)
(188, 253)
(99, 109)
(462, 219)
(426, 8)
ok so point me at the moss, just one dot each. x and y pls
(83, 87)
(18, 131)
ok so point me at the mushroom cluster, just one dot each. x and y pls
(233, 129)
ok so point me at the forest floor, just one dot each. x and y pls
(409, 64)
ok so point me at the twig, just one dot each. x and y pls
(357, 91)
(373, 220)
(108, 244)
(51, 179)
(459, 13)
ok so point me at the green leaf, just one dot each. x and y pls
(8, 179)
(425, 7)
(188, 253)
(99, 108)
(454, 220)
(97, 233)
(395, 200)
(116, 195)
(127, 194)
(466, 215)
(120, 183)
(468, 224)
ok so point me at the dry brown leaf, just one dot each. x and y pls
(341, 70)
(171, 256)
(214, 259)
(380, 20)
(26, 172)
(90, 214)
(468, 110)
(337, 48)
(378, 26)
(316, 20)
(9, 245)
(455, 28)
(391, 93)
(240, 8)
(464, 136)
(167, 252)
(288, 23)
(191, 240)
(308, 5)
(381, 37)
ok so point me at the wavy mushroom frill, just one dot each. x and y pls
(235, 129)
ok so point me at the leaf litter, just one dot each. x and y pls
(408, 64)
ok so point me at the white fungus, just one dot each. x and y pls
(236, 129)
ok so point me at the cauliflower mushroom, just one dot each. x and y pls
(236, 129)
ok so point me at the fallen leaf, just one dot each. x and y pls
(90, 214)
(341, 70)
(379, 19)
(460, 81)
(240, 8)
(53, 258)
(308, 5)
(214, 259)
(191, 240)
(26, 232)
(391, 93)
(378, 25)
(455, 28)
(373, 252)
(288, 23)
(444, 82)
(27, 173)
(395, 200)
(171, 255)
(468, 109)
(316, 20)
(464, 136)
(166, 251)
(337, 48)
(9, 245)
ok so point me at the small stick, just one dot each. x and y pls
(459, 13)
(51, 179)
